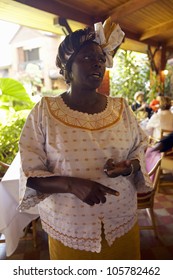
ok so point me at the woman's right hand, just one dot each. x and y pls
(90, 192)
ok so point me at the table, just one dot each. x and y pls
(12, 222)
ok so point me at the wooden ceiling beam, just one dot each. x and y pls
(129, 8)
(130, 35)
(156, 30)
(135, 37)
(59, 9)
(169, 42)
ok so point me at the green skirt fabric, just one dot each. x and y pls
(126, 247)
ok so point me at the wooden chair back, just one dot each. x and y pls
(164, 132)
(146, 200)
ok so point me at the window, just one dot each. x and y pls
(31, 55)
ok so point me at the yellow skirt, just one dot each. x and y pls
(126, 247)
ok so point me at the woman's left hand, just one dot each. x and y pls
(123, 168)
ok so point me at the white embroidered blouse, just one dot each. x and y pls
(57, 140)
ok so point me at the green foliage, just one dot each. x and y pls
(129, 74)
(15, 104)
(9, 138)
(156, 87)
(168, 86)
(14, 95)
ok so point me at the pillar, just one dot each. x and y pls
(105, 85)
(157, 58)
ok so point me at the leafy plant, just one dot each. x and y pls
(168, 85)
(155, 87)
(15, 104)
(9, 138)
(129, 74)
(13, 95)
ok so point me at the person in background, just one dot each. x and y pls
(155, 103)
(165, 144)
(83, 157)
(140, 107)
(163, 119)
(171, 109)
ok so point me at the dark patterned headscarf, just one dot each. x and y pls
(108, 35)
(70, 47)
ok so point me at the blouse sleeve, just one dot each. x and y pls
(33, 157)
(137, 151)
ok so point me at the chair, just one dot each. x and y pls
(152, 141)
(166, 175)
(33, 227)
(146, 200)
(164, 132)
(4, 168)
(165, 183)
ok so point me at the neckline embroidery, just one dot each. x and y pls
(109, 116)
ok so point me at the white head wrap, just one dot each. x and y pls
(109, 36)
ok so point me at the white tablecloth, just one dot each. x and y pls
(12, 222)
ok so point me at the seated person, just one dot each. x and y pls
(140, 107)
(155, 103)
(163, 119)
(165, 144)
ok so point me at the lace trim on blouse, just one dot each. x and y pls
(109, 116)
(92, 244)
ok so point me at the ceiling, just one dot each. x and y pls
(145, 22)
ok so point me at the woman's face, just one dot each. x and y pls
(140, 98)
(88, 67)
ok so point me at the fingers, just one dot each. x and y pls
(99, 196)
(110, 191)
(117, 169)
(103, 199)
(110, 164)
(128, 162)
(95, 198)
(111, 173)
(89, 202)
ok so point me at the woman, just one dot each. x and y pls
(165, 144)
(155, 103)
(87, 202)
(163, 119)
(141, 108)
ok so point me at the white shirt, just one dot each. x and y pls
(57, 140)
(163, 119)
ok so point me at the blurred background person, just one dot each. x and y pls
(165, 144)
(163, 119)
(140, 107)
(155, 103)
